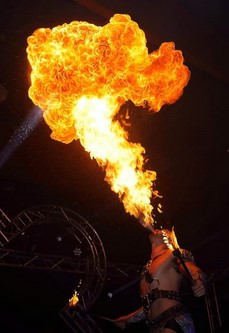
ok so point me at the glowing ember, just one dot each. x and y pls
(73, 300)
(82, 74)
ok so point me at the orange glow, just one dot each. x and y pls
(73, 300)
(82, 74)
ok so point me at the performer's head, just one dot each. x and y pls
(156, 237)
(163, 237)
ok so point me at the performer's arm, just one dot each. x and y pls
(196, 276)
(131, 318)
(199, 279)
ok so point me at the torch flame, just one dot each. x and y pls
(82, 74)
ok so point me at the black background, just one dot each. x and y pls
(186, 144)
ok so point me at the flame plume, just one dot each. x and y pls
(82, 74)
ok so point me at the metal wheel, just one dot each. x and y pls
(57, 238)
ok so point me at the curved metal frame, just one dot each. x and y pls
(89, 264)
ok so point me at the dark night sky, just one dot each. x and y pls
(186, 143)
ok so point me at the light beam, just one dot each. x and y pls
(21, 134)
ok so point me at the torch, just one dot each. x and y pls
(172, 244)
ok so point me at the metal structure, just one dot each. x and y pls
(23, 243)
(58, 239)
(79, 321)
(212, 306)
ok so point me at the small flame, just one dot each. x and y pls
(73, 300)
(82, 74)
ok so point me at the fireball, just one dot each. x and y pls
(81, 74)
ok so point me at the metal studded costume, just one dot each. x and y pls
(177, 317)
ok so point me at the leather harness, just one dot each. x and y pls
(156, 293)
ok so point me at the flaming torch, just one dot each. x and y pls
(82, 74)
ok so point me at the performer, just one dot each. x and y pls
(160, 286)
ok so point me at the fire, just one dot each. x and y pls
(82, 74)
(73, 300)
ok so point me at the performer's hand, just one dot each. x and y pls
(131, 318)
(198, 288)
(120, 322)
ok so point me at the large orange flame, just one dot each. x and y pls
(82, 74)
